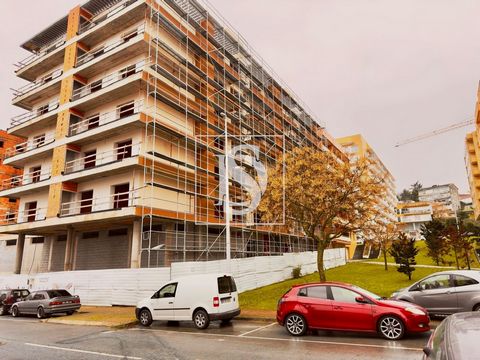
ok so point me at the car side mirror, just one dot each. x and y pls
(427, 350)
(361, 300)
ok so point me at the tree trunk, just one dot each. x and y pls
(385, 259)
(468, 259)
(456, 258)
(321, 270)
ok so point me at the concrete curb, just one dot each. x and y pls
(90, 323)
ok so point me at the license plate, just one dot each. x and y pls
(226, 300)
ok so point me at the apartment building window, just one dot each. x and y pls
(90, 235)
(93, 121)
(130, 35)
(35, 173)
(124, 149)
(38, 240)
(125, 110)
(42, 109)
(31, 211)
(95, 86)
(39, 140)
(11, 242)
(86, 202)
(121, 195)
(117, 232)
(10, 217)
(1, 143)
(128, 71)
(90, 158)
(12, 200)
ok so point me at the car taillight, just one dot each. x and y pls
(216, 302)
(53, 303)
(76, 301)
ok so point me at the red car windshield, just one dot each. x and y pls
(368, 293)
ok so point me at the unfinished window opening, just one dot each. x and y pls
(86, 202)
(129, 35)
(124, 149)
(35, 173)
(125, 110)
(95, 86)
(31, 211)
(93, 121)
(121, 195)
(128, 71)
(90, 158)
(39, 140)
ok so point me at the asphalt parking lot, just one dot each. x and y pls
(29, 338)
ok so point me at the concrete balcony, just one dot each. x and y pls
(94, 128)
(112, 21)
(104, 56)
(42, 89)
(99, 204)
(40, 62)
(29, 150)
(39, 118)
(23, 184)
(113, 86)
(21, 217)
(105, 163)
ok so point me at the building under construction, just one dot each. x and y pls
(128, 107)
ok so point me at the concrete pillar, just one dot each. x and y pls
(136, 244)
(69, 248)
(19, 253)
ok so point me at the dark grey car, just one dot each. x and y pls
(456, 338)
(47, 302)
(445, 292)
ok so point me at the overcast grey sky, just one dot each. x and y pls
(387, 69)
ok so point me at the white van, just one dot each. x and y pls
(200, 298)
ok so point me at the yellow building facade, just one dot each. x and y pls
(356, 148)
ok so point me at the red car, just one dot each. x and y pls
(339, 306)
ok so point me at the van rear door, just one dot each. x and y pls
(227, 294)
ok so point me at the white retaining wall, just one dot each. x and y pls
(128, 286)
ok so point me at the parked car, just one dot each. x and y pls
(340, 306)
(445, 292)
(9, 297)
(456, 338)
(47, 302)
(201, 298)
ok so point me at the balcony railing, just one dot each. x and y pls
(46, 50)
(18, 217)
(36, 84)
(103, 158)
(45, 109)
(102, 17)
(29, 145)
(94, 121)
(105, 48)
(25, 179)
(91, 205)
(108, 80)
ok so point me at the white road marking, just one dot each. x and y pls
(84, 351)
(260, 328)
(390, 347)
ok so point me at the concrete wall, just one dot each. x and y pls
(7, 254)
(128, 286)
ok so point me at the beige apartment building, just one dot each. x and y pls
(126, 106)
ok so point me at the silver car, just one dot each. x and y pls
(445, 292)
(47, 302)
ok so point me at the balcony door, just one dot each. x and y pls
(124, 149)
(90, 158)
(31, 211)
(86, 202)
(121, 195)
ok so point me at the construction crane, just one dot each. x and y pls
(435, 132)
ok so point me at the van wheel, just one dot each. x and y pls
(145, 317)
(201, 319)
(15, 311)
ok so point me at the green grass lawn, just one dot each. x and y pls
(371, 277)
(423, 259)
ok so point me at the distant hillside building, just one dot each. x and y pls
(446, 194)
(412, 215)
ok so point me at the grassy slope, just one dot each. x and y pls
(369, 276)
